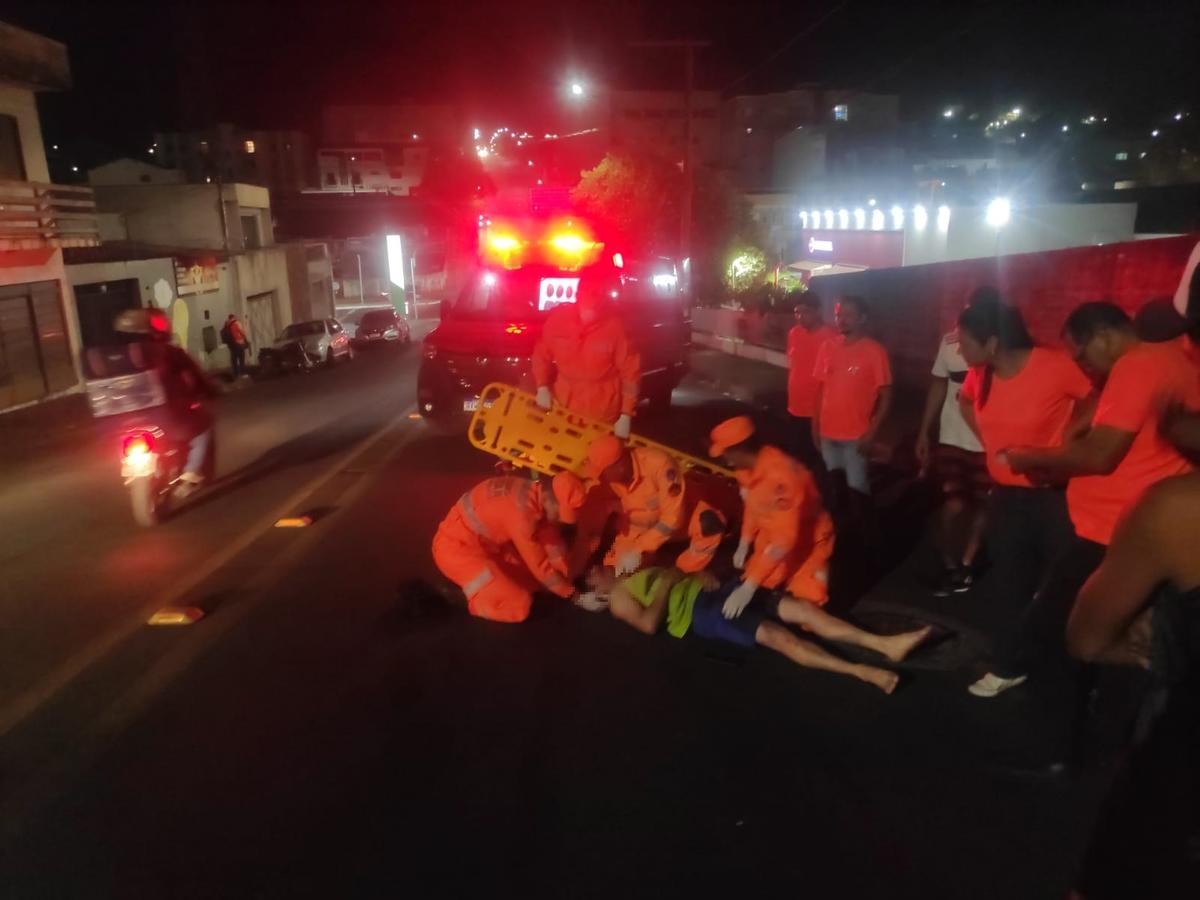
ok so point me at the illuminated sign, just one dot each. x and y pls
(824, 246)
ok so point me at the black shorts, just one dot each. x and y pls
(961, 473)
(708, 622)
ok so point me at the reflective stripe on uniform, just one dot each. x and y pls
(664, 528)
(553, 580)
(473, 521)
(554, 552)
(476, 584)
(775, 554)
(652, 503)
(701, 550)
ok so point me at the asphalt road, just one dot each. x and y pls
(314, 736)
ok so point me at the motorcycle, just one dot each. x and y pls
(152, 465)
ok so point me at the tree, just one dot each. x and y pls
(634, 197)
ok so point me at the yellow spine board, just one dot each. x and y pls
(509, 424)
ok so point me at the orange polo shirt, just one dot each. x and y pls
(851, 375)
(1031, 409)
(1142, 384)
(802, 348)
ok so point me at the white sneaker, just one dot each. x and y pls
(993, 685)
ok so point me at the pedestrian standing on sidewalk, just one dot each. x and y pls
(234, 337)
(853, 399)
(803, 343)
(956, 460)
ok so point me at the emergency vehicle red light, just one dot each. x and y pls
(503, 243)
(570, 243)
(515, 328)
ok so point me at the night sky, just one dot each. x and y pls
(144, 65)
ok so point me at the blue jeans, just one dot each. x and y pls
(845, 455)
(198, 452)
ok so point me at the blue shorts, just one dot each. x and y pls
(845, 455)
(707, 621)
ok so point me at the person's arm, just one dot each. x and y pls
(1081, 417)
(1099, 452)
(671, 519)
(629, 368)
(934, 400)
(788, 503)
(534, 555)
(816, 416)
(883, 404)
(966, 406)
(1182, 428)
(1118, 590)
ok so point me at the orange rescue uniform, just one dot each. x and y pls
(496, 544)
(596, 370)
(790, 530)
(652, 504)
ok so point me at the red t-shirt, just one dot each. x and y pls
(802, 348)
(1031, 409)
(1143, 383)
(852, 375)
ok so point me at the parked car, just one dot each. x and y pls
(381, 326)
(303, 345)
(351, 316)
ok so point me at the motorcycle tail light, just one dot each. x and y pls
(137, 445)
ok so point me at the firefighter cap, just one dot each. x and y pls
(730, 433)
(602, 453)
(569, 492)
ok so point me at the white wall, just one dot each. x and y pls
(22, 105)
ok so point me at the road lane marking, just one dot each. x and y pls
(32, 699)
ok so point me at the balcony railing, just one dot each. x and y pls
(41, 215)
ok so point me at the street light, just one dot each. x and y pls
(999, 211)
(576, 89)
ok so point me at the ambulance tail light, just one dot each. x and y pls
(515, 328)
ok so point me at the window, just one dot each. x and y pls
(841, 113)
(249, 145)
(251, 236)
(12, 160)
(1121, 156)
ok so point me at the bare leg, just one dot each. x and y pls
(646, 619)
(812, 618)
(805, 653)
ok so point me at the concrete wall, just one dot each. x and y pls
(132, 171)
(22, 105)
(176, 215)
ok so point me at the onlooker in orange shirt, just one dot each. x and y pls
(1122, 455)
(803, 343)
(853, 399)
(1016, 393)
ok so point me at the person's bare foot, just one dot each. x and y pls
(883, 679)
(897, 646)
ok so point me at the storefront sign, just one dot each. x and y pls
(815, 246)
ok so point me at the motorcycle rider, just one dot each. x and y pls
(187, 388)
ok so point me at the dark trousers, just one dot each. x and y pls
(1028, 530)
(1036, 523)
(237, 354)
(801, 446)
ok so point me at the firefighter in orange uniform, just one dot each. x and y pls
(500, 543)
(784, 521)
(706, 530)
(645, 487)
(585, 354)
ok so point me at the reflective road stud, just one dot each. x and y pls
(176, 615)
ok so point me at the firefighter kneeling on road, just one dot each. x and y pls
(784, 522)
(585, 354)
(500, 543)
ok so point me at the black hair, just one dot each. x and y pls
(1099, 315)
(987, 317)
(710, 523)
(752, 444)
(858, 303)
(1158, 322)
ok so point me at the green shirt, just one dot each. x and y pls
(680, 601)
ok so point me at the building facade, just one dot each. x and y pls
(281, 161)
(38, 330)
(656, 122)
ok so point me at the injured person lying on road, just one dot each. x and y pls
(697, 603)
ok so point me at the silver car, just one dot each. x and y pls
(306, 344)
